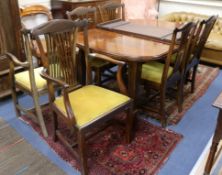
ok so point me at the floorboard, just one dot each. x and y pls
(19, 157)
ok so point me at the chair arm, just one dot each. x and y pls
(54, 80)
(65, 88)
(120, 64)
(106, 58)
(44, 75)
(16, 61)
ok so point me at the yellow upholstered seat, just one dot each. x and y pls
(153, 70)
(90, 102)
(23, 79)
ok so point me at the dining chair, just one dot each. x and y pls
(193, 57)
(28, 81)
(32, 16)
(111, 11)
(102, 68)
(82, 109)
(161, 76)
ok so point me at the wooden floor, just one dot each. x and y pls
(17, 157)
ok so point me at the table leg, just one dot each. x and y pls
(134, 80)
(216, 139)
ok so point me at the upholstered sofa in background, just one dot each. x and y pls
(212, 52)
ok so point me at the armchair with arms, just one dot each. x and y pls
(32, 16)
(81, 108)
(29, 82)
(111, 11)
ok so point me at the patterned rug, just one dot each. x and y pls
(205, 76)
(109, 155)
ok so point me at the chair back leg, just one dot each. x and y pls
(39, 115)
(180, 87)
(129, 123)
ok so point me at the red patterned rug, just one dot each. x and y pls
(108, 155)
(205, 76)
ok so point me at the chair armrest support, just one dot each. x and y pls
(65, 90)
(15, 60)
(106, 58)
(51, 79)
(120, 64)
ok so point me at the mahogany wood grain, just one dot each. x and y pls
(123, 47)
(61, 69)
(132, 50)
(156, 30)
(10, 28)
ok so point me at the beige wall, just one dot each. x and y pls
(28, 2)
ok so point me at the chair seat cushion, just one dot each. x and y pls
(22, 78)
(153, 70)
(91, 102)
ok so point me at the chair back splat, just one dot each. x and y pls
(112, 10)
(199, 40)
(60, 43)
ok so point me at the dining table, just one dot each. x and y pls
(129, 47)
(157, 30)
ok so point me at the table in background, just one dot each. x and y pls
(134, 51)
(148, 29)
(59, 7)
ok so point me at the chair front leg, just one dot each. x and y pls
(13, 89)
(129, 123)
(15, 101)
(82, 152)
